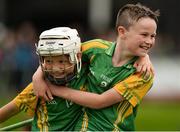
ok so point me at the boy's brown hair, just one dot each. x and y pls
(131, 13)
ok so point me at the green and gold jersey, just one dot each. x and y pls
(103, 76)
(58, 114)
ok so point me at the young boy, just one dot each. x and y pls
(109, 65)
(59, 53)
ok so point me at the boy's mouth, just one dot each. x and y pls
(58, 74)
(145, 47)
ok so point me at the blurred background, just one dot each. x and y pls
(21, 22)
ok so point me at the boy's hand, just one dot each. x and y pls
(54, 89)
(40, 87)
(144, 65)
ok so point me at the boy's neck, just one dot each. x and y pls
(120, 56)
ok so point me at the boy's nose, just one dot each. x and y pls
(149, 40)
(58, 67)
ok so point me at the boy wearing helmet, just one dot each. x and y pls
(58, 51)
(63, 44)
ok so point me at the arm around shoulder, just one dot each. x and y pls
(87, 99)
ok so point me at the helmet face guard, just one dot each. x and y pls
(60, 81)
(60, 42)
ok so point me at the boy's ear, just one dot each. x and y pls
(79, 55)
(121, 31)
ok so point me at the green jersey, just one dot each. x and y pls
(103, 76)
(58, 114)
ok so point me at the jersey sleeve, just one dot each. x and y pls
(134, 88)
(26, 100)
(91, 48)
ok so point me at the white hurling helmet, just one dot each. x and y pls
(59, 41)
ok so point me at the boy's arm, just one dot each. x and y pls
(40, 87)
(87, 99)
(8, 111)
(132, 89)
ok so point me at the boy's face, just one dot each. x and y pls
(58, 66)
(140, 37)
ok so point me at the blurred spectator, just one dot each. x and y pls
(24, 55)
(19, 59)
(2, 36)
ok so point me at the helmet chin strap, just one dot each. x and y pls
(79, 63)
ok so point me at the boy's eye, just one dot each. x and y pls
(144, 34)
(153, 36)
(63, 61)
(48, 61)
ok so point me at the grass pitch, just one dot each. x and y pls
(158, 116)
